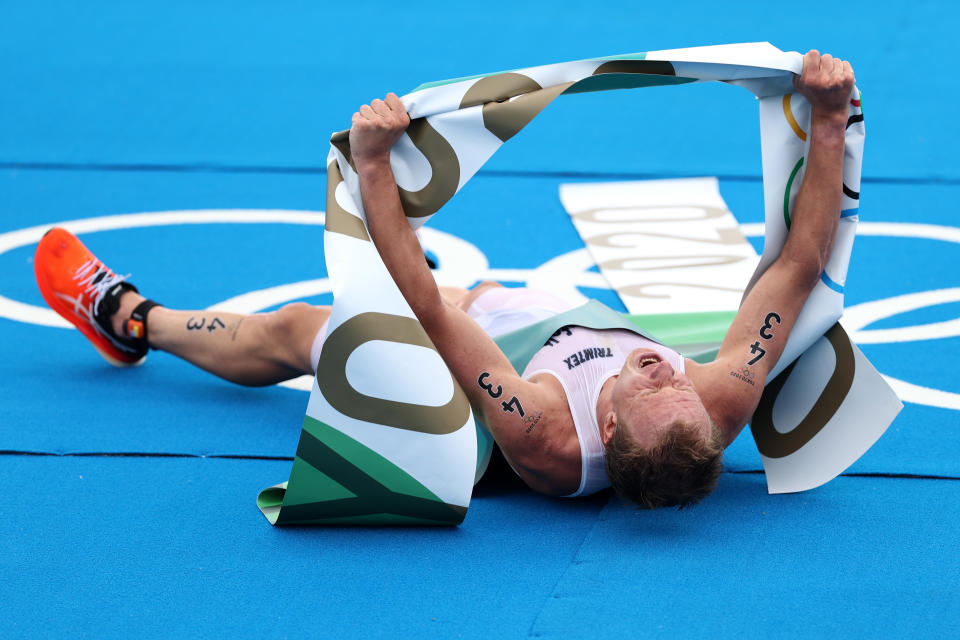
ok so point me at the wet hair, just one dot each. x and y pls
(681, 469)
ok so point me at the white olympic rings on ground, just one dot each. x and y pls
(462, 264)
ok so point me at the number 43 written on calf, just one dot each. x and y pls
(508, 407)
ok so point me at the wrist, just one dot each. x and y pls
(828, 125)
(829, 118)
(372, 164)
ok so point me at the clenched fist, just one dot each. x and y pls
(826, 82)
(375, 128)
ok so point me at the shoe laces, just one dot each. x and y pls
(96, 279)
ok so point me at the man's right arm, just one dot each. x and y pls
(509, 406)
(732, 385)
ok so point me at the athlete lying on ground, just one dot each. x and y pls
(593, 407)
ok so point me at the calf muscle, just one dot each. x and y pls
(253, 350)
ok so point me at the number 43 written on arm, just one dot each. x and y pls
(510, 406)
(765, 333)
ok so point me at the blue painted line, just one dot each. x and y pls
(846, 213)
(830, 283)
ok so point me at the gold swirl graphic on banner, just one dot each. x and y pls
(771, 442)
(340, 220)
(444, 167)
(506, 119)
(341, 140)
(498, 88)
(333, 384)
(502, 116)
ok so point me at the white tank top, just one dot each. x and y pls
(582, 360)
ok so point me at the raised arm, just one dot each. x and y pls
(507, 404)
(731, 386)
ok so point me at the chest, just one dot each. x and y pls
(575, 348)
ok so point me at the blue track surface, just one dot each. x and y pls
(119, 108)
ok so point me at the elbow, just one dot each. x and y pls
(431, 312)
(805, 266)
(525, 457)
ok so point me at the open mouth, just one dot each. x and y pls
(647, 359)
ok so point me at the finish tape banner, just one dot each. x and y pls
(388, 436)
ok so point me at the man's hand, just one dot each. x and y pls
(826, 82)
(376, 127)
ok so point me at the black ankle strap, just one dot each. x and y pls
(136, 325)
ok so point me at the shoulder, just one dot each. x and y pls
(549, 459)
(727, 392)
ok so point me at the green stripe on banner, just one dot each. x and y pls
(337, 480)
(626, 56)
(373, 464)
(680, 328)
(696, 335)
(311, 482)
(610, 81)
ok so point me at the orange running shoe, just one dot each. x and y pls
(84, 291)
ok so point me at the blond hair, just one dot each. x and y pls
(679, 470)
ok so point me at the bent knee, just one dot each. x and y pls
(453, 295)
(293, 328)
(478, 291)
(486, 284)
(290, 317)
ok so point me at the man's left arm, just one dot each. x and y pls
(731, 385)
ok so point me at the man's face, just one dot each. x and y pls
(650, 395)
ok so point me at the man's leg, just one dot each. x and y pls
(455, 296)
(468, 299)
(499, 310)
(256, 350)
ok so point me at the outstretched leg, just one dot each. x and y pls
(256, 350)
